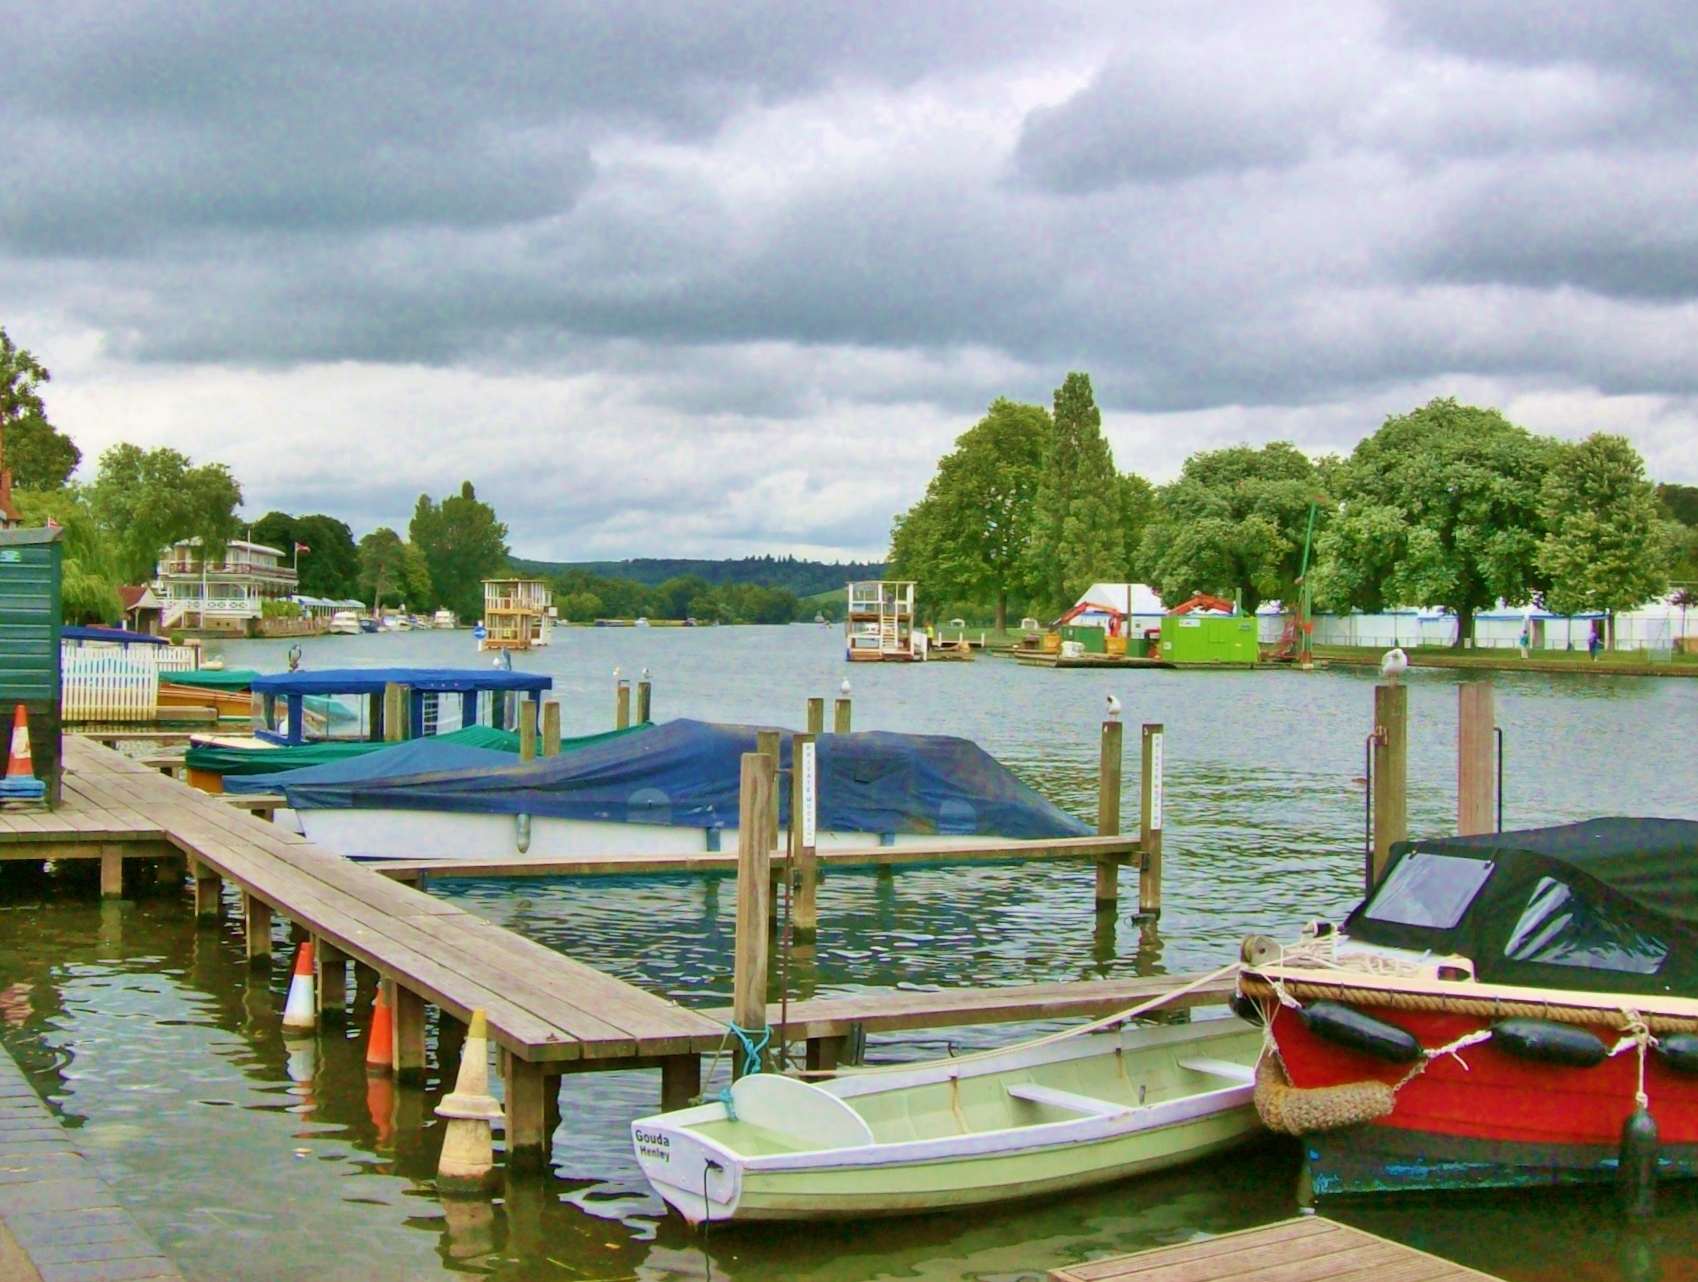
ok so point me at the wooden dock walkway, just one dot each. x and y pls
(1306, 1249)
(550, 1013)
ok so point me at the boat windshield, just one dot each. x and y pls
(1561, 927)
(1428, 890)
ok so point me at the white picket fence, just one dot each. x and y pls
(107, 685)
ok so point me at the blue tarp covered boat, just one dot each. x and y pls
(673, 788)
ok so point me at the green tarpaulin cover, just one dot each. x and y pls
(264, 761)
(211, 679)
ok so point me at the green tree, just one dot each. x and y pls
(383, 565)
(966, 539)
(146, 500)
(40, 457)
(330, 565)
(1440, 506)
(463, 544)
(1233, 522)
(1076, 513)
(1606, 545)
(580, 607)
(88, 590)
(1680, 506)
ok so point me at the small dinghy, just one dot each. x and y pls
(1035, 1119)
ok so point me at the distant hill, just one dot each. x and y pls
(804, 578)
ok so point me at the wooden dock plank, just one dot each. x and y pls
(1305, 1249)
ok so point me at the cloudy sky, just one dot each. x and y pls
(709, 279)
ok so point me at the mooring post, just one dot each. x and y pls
(527, 1114)
(621, 703)
(767, 742)
(1391, 774)
(645, 690)
(527, 729)
(256, 925)
(332, 986)
(551, 728)
(680, 1081)
(1476, 784)
(816, 716)
(209, 893)
(804, 793)
(840, 718)
(1150, 792)
(396, 707)
(1108, 809)
(407, 1011)
(111, 872)
(754, 865)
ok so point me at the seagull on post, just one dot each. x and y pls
(1394, 664)
(845, 687)
(1113, 708)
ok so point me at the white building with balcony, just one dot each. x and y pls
(223, 595)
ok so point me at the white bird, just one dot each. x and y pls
(645, 674)
(1394, 664)
(1113, 708)
(616, 674)
(845, 687)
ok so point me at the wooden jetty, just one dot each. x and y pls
(550, 1014)
(1306, 1249)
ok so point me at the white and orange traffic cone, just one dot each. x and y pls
(20, 783)
(380, 1046)
(301, 1008)
(468, 1145)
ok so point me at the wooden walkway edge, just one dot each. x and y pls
(1308, 1248)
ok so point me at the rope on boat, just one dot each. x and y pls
(751, 1059)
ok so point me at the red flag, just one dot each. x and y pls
(302, 547)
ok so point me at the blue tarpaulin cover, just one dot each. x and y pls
(686, 774)
(413, 757)
(373, 680)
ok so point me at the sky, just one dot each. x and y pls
(685, 279)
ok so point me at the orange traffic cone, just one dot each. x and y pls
(301, 1008)
(20, 781)
(380, 1047)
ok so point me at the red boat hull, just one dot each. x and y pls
(1484, 1117)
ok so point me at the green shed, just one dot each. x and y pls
(1094, 639)
(29, 644)
(1209, 638)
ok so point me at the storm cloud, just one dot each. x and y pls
(665, 277)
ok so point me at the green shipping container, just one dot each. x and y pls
(1093, 639)
(29, 644)
(1209, 638)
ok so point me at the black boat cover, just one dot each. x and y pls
(1608, 905)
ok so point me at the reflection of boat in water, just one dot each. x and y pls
(1032, 1120)
(1493, 1012)
(673, 789)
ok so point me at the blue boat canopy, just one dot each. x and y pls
(686, 774)
(118, 636)
(373, 680)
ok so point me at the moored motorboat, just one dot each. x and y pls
(1043, 1118)
(1513, 1009)
(344, 623)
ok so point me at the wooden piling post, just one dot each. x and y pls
(1391, 774)
(396, 713)
(527, 1114)
(767, 743)
(1150, 797)
(527, 729)
(840, 717)
(621, 704)
(816, 716)
(754, 865)
(407, 1011)
(1476, 778)
(209, 893)
(680, 1081)
(645, 689)
(111, 872)
(804, 859)
(1108, 808)
(256, 924)
(551, 728)
(332, 986)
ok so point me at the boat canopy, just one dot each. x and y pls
(375, 680)
(1608, 905)
(117, 636)
(411, 757)
(211, 678)
(687, 773)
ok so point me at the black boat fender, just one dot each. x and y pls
(1250, 1010)
(1345, 1026)
(1679, 1051)
(1549, 1042)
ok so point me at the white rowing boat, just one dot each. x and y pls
(1035, 1119)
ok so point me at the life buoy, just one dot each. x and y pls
(1549, 1042)
(1345, 1026)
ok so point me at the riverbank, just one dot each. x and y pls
(1630, 663)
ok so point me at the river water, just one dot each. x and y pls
(249, 1157)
